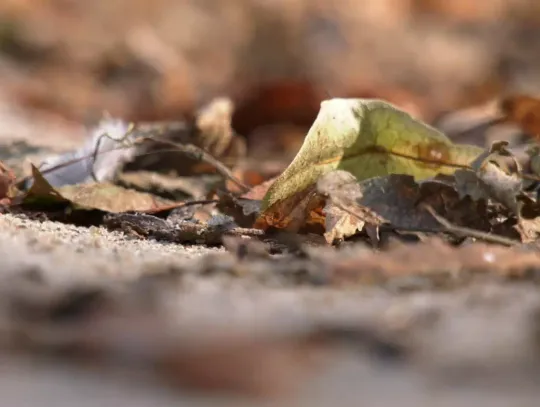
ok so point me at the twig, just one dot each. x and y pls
(20, 183)
(124, 138)
(189, 149)
(199, 154)
(467, 232)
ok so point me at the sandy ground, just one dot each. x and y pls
(66, 251)
(480, 348)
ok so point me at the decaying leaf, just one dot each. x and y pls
(213, 124)
(111, 198)
(41, 192)
(397, 200)
(295, 213)
(367, 138)
(340, 224)
(528, 229)
(210, 130)
(494, 174)
(101, 196)
(344, 216)
(468, 184)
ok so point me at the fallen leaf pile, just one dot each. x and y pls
(366, 170)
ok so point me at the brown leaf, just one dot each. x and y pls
(111, 198)
(344, 215)
(499, 179)
(209, 130)
(102, 196)
(41, 192)
(175, 187)
(296, 213)
(398, 200)
(468, 184)
(340, 224)
(213, 123)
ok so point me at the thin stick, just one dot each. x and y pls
(467, 232)
(199, 154)
(188, 149)
(128, 133)
(22, 181)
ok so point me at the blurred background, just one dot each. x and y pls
(64, 62)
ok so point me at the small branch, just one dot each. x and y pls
(467, 232)
(95, 154)
(189, 149)
(199, 154)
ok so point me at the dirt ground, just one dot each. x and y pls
(472, 346)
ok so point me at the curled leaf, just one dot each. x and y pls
(340, 224)
(498, 177)
(367, 138)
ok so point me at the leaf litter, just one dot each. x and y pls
(373, 198)
(365, 168)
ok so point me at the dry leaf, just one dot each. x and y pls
(398, 200)
(103, 196)
(344, 216)
(340, 224)
(368, 138)
(500, 181)
(111, 198)
(41, 192)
